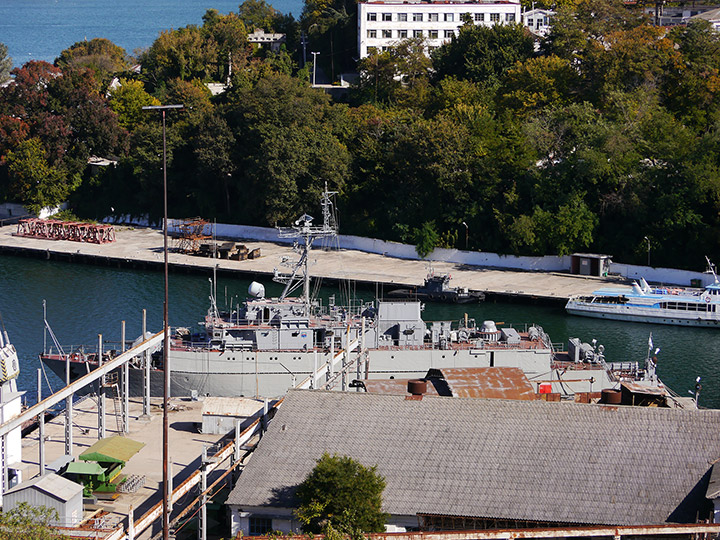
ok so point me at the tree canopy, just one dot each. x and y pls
(29, 522)
(343, 495)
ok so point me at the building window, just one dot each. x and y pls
(449, 17)
(259, 525)
(510, 17)
(449, 34)
(495, 17)
(387, 34)
(479, 17)
(402, 17)
(402, 34)
(530, 23)
(433, 17)
(372, 33)
(417, 17)
(386, 17)
(417, 33)
(432, 34)
(372, 16)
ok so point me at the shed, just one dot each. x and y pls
(590, 264)
(112, 450)
(221, 414)
(52, 491)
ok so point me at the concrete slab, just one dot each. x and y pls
(185, 446)
(143, 247)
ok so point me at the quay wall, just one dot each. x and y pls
(548, 263)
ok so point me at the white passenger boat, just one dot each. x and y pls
(643, 303)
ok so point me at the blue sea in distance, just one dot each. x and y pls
(42, 29)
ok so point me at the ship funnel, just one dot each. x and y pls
(636, 288)
(256, 290)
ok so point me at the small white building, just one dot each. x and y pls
(220, 415)
(259, 37)
(382, 24)
(51, 491)
(538, 21)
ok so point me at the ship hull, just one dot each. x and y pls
(645, 315)
(271, 373)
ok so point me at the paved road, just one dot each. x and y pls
(144, 247)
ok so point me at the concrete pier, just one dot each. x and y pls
(142, 248)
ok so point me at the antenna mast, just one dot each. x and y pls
(304, 229)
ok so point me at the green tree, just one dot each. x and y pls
(343, 495)
(99, 54)
(33, 181)
(482, 54)
(258, 14)
(5, 64)
(127, 100)
(29, 522)
(426, 238)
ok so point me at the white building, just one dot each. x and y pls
(383, 24)
(538, 21)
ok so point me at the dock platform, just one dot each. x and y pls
(142, 248)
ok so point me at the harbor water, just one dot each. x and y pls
(42, 29)
(84, 301)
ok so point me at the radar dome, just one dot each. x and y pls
(256, 289)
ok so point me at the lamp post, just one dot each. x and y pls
(166, 344)
(314, 64)
(648, 249)
(466, 235)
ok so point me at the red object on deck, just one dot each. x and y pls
(545, 388)
(53, 229)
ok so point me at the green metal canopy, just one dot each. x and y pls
(81, 467)
(114, 449)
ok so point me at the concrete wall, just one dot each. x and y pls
(668, 276)
(395, 249)
(547, 263)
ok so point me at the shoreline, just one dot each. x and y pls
(141, 248)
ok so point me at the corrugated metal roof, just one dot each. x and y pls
(113, 449)
(231, 406)
(489, 382)
(52, 484)
(496, 458)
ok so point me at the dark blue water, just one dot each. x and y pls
(83, 301)
(41, 29)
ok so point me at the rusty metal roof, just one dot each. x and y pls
(487, 382)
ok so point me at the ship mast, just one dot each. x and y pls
(304, 229)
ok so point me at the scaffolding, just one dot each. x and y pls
(191, 234)
(53, 229)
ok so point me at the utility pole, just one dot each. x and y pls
(467, 232)
(648, 249)
(314, 64)
(166, 344)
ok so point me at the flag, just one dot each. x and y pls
(650, 343)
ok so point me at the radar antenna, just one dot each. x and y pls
(304, 230)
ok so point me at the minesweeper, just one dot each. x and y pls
(264, 346)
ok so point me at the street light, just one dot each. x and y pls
(314, 64)
(648, 249)
(166, 343)
(466, 235)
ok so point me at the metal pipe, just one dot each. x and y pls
(41, 425)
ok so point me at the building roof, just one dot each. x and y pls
(494, 458)
(712, 15)
(114, 449)
(230, 406)
(83, 467)
(487, 382)
(51, 484)
(394, 386)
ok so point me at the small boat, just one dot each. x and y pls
(643, 303)
(436, 288)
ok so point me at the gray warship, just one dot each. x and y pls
(264, 346)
